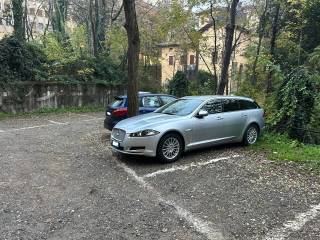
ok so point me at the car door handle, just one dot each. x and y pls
(245, 115)
(219, 118)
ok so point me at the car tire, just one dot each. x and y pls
(251, 135)
(169, 148)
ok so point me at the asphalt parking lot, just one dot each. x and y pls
(59, 180)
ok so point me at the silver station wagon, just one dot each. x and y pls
(189, 123)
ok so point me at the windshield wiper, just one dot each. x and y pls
(168, 113)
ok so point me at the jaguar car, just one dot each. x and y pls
(189, 123)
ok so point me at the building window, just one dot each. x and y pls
(32, 11)
(40, 13)
(170, 60)
(40, 26)
(192, 59)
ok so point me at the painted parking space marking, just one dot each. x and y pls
(187, 166)
(32, 127)
(52, 123)
(59, 123)
(295, 225)
(206, 228)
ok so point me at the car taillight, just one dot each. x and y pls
(121, 112)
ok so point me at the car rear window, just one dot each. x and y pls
(230, 105)
(246, 105)
(167, 99)
(150, 102)
(119, 102)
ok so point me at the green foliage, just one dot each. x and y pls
(19, 61)
(205, 84)
(118, 43)
(265, 65)
(280, 147)
(46, 111)
(295, 103)
(314, 59)
(311, 29)
(106, 71)
(17, 10)
(178, 85)
(288, 51)
(71, 62)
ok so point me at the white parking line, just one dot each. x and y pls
(52, 123)
(26, 128)
(204, 227)
(59, 123)
(186, 167)
(295, 225)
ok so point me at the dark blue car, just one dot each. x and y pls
(148, 102)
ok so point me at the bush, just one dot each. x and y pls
(19, 61)
(178, 85)
(206, 83)
(295, 104)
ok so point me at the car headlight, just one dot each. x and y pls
(144, 133)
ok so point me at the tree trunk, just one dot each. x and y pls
(228, 47)
(215, 50)
(102, 26)
(59, 19)
(18, 28)
(262, 25)
(273, 43)
(132, 28)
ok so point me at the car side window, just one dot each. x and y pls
(230, 105)
(246, 105)
(151, 102)
(166, 99)
(213, 106)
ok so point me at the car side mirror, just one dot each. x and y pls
(202, 113)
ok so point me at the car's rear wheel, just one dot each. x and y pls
(251, 135)
(169, 148)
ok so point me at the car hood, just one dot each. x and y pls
(146, 121)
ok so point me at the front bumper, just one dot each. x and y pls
(144, 146)
(109, 123)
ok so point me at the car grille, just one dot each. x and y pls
(118, 134)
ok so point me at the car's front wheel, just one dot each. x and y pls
(169, 148)
(251, 135)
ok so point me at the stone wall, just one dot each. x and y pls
(30, 96)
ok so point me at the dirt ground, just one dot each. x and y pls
(59, 180)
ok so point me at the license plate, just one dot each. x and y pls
(115, 144)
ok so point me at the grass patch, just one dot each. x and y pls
(45, 111)
(281, 148)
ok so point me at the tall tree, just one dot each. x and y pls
(274, 34)
(261, 32)
(132, 29)
(230, 28)
(18, 26)
(215, 49)
(59, 17)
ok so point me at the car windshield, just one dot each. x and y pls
(181, 107)
(118, 102)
